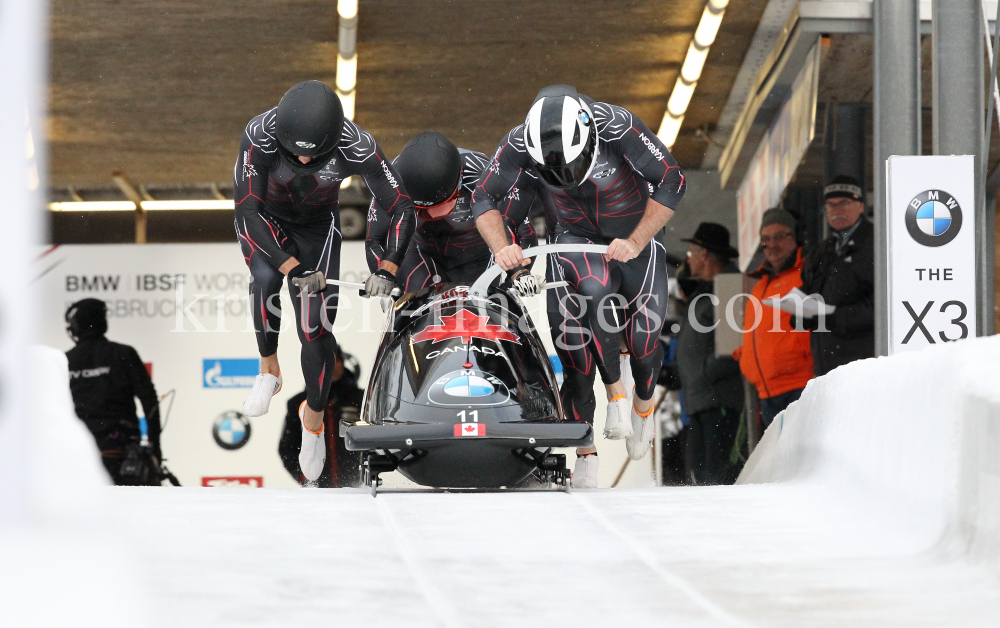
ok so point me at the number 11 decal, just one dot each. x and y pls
(473, 416)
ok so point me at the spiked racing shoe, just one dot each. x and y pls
(585, 471)
(638, 442)
(264, 387)
(312, 454)
(616, 424)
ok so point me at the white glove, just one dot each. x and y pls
(524, 284)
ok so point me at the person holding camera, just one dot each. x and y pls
(105, 378)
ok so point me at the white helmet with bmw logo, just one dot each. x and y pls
(561, 137)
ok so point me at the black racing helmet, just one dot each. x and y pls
(561, 136)
(86, 318)
(309, 120)
(431, 169)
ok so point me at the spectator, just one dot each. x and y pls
(842, 270)
(105, 378)
(775, 359)
(344, 402)
(713, 388)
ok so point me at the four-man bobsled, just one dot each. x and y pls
(462, 393)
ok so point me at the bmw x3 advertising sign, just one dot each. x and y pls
(932, 250)
(229, 372)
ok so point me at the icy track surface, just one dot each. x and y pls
(753, 555)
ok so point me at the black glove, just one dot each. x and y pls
(307, 279)
(379, 284)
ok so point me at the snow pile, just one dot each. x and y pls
(60, 565)
(913, 439)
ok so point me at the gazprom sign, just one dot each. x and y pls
(229, 372)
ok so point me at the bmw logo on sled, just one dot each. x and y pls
(462, 392)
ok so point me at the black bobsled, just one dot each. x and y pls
(462, 393)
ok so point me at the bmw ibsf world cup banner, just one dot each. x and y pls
(184, 308)
(932, 250)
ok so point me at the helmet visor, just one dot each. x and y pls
(569, 175)
(438, 210)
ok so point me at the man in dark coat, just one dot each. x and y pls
(842, 269)
(713, 387)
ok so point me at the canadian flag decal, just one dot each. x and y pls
(470, 429)
(465, 325)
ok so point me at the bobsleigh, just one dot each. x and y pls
(462, 393)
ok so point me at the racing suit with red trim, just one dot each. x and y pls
(287, 209)
(632, 165)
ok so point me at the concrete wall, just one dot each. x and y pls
(704, 201)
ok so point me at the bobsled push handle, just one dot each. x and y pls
(482, 284)
(357, 285)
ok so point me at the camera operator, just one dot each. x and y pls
(105, 378)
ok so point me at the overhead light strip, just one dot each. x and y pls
(119, 206)
(347, 55)
(694, 63)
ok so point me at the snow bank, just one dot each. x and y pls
(914, 438)
(61, 563)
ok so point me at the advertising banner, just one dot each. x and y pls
(932, 250)
(184, 308)
(777, 157)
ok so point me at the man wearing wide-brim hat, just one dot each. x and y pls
(713, 388)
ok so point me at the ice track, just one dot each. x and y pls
(714, 556)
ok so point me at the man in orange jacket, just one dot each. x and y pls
(774, 357)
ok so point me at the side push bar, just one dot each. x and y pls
(359, 286)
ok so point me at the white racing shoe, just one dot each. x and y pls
(616, 424)
(264, 387)
(312, 454)
(643, 428)
(585, 471)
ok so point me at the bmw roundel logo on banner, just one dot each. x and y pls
(231, 430)
(933, 218)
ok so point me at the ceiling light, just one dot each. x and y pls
(669, 128)
(93, 206)
(347, 8)
(182, 205)
(347, 100)
(347, 73)
(694, 63)
(118, 206)
(708, 28)
(680, 98)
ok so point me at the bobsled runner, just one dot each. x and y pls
(462, 393)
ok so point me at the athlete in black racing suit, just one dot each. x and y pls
(620, 194)
(445, 248)
(288, 223)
